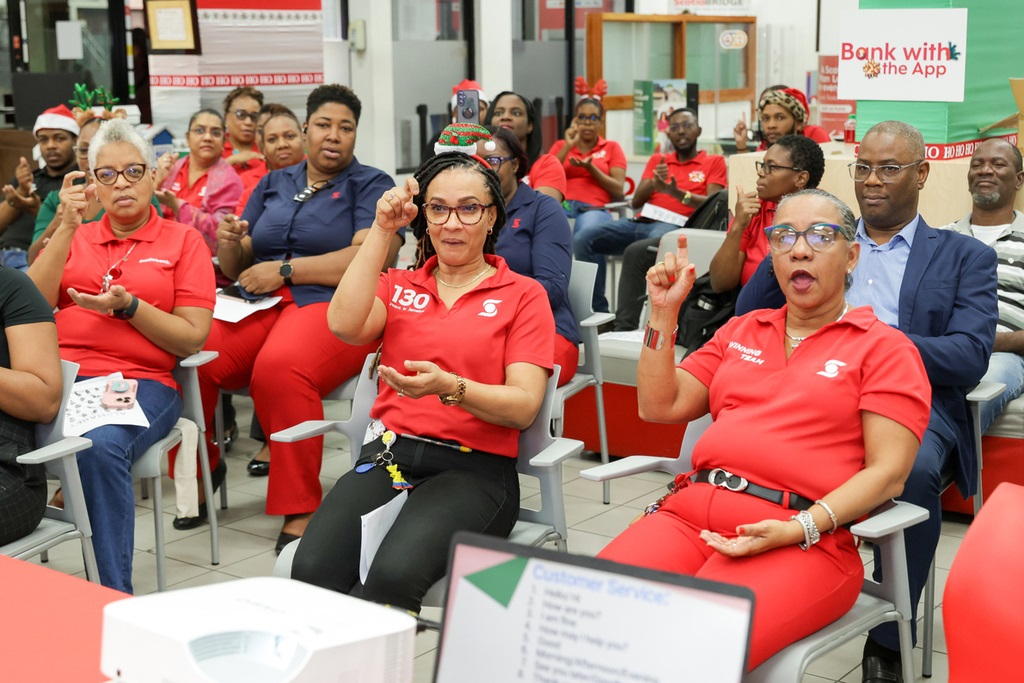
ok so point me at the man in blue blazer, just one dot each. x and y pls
(939, 288)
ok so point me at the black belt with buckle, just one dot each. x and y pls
(734, 482)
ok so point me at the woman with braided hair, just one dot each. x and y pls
(467, 347)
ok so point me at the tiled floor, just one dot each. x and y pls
(247, 538)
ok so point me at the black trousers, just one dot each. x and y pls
(22, 499)
(452, 492)
(636, 260)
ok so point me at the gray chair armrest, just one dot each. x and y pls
(69, 445)
(986, 391)
(306, 430)
(597, 319)
(888, 519)
(197, 359)
(625, 467)
(557, 452)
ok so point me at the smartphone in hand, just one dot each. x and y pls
(237, 291)
(467, 106)
(120, 394)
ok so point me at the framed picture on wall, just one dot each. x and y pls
(172, 27)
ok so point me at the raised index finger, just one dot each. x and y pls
(70, 178)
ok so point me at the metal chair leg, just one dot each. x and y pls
(928, 623)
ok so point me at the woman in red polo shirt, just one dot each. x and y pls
(241, 108)
(133, 292)
(595, 168)
(513, 112)
(200, 188)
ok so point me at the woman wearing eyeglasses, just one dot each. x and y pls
(467, 347)
(595, 168)
(133, 292)
(537, 241)
(793, 163)
(297, 236)
(818, 408)
(200, 188)
(241, 109)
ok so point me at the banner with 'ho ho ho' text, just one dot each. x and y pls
(910, 55)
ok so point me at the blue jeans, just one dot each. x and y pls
(593, 242)
(1008, 368)
(584, 219)
(923, 487)
(14, 258)
(106, 470)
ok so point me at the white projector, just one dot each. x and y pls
(262, 630)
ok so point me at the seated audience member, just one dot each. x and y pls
(200, 188)
(792, 164)
(30, 367)
(489, 373)
(134, 291)
(544, 172)
(837, 458)
(295, 240)
(780, 111)
(281, 147)
(939, 288)
(595, 168)
(677, 183)
(994, 179)
(241, 109)
(536, 241)
(56, 132)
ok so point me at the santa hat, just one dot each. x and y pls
(463, 137)
(58, 118)
(468, 85)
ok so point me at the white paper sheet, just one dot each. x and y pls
(656, 213)
(231, 310)
(85, 409)
(376, 525)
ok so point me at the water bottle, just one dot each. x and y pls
(850, 130)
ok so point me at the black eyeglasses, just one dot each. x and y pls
(243, 114)
(309, 191)
(887, 173)
(106, 175)
(200, 131)
(496, 162)
(468, 214)
(585, 118)
(680, 127)
(766, 167)
(820, 236)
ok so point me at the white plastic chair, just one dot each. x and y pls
(540, 456)
(588, 372)
(888, 600)
(58, 454)
(147, 468)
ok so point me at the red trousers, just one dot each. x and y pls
(290, 361)
(796, 592)
(567, 355)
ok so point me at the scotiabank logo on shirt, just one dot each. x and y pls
(409, 300)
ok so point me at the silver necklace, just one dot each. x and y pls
(795, 341)
(467, 284)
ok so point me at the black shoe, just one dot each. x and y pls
(230, 436)
(217, 477)
(880, 664)
(258, 468)
(284, 539)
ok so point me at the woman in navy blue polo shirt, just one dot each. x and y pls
(295, 240)
(536, 241)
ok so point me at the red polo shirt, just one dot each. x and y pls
(546, 172)
(693, 175)
(169, 266)
(579, 184)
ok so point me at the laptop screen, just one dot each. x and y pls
(515, 613)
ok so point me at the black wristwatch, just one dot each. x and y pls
(128, 312)
(286, 271)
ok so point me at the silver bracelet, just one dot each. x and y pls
(811, 533)
(655, 339)
(831, 515)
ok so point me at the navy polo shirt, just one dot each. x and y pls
(283, 228)
(537, 242)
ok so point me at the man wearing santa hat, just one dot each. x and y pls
(56, 132)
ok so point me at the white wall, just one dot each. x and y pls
(372, 75)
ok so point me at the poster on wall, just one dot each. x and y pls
(908, 55)
(173, 27)
(833, 111)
